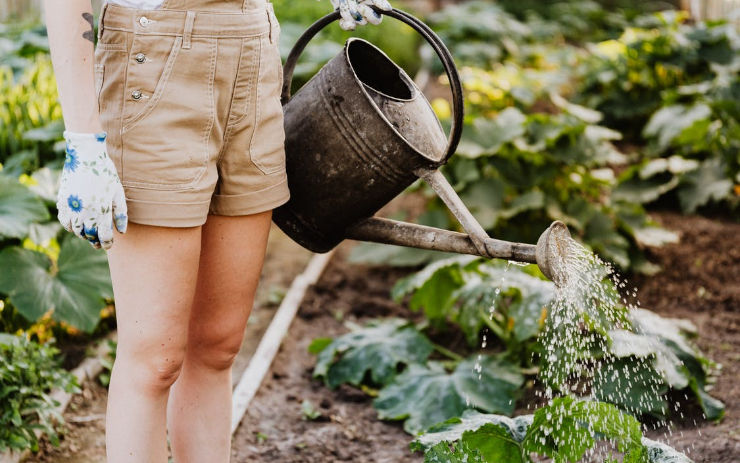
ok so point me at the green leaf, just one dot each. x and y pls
(19, 208)
(319, 344)
(669, 121)
(632, 385)
(707, 183)
(377, 348)
(487, 136)
(425, 395)
(581, 112)
(461, 453)
(670, 367)
(44, 182)
(485, 199)
(495, 437)
(567, 428)
(74, 289)
(433, 287)
(659, 452)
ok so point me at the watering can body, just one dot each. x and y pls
(355, 135)
(358, 134)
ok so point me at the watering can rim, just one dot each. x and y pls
(416, 93)
(432, 39)
(413, 88)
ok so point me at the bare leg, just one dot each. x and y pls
(199, 411)
(154, 271)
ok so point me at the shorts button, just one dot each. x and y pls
(140, 57)
(136, 94)
(144, 21)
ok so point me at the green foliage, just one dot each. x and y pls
(564, 430)
(474, 294)
(674, 88)
(107, 362)
(513, 304)
(73, 286)
(309, 411)
(378, 348)
(626, 76)
(426, 394)
(30, 115)
(19, 209)
(396, 39)
(28, 372)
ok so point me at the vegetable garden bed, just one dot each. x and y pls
(295, 418)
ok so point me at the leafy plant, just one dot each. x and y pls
(564, 430)
(107, 362)
(513, 306)
(378, 349)
(72, 286)
(28, 372)
(426, 394)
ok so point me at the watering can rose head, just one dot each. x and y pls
(359, 12)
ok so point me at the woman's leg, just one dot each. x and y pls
(199, 411)
(154, 271)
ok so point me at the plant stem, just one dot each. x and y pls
(447, 353)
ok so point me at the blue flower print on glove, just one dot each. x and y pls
(90, 200)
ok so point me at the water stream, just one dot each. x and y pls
(590, 308)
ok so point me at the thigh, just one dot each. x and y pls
(154, 271)
(232, 253)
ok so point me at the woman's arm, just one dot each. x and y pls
(71, 38)
(90, 199)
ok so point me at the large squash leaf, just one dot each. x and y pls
(19, 208)
(565, 431)
(427, 394)
(495, 437)
(377, 348)
(73, 288)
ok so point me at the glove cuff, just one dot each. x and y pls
(84, 136)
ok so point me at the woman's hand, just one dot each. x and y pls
(90, 197)
(358, 12)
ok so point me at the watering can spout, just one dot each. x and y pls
(549, 254)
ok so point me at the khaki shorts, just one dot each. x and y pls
(191, 104)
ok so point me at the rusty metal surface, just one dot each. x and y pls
(387, 231)
(345, 158)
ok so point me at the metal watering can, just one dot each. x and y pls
(358, 133)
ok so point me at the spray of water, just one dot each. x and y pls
(577, 359)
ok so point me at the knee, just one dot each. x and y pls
(154, 370)
(216, 349)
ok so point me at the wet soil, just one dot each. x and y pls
(699, 282)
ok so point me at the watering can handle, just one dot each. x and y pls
(439, 47)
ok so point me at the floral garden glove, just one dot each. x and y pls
(90, 194)
(359, 12)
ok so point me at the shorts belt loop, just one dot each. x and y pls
(269, 20)
(100, 20)
(188, 33)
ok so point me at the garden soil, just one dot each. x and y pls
(699, 282)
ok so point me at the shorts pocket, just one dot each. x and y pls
(266, 148)
(150, 65)
(168, 112)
